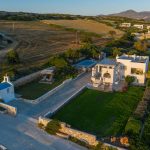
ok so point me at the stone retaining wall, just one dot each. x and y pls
(10, 109)
(89, 138)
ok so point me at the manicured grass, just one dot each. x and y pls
(133, 125)
(35, 89)
(101, 113)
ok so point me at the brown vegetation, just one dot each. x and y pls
(39, 41)
(86, 25)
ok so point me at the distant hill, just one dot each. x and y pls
(133, 14)
(25, 16)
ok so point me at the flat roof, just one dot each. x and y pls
(4, 85)
(108, 61)
(138, 59)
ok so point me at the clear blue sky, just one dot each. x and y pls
(83, 7)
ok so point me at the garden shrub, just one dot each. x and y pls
(53, 127)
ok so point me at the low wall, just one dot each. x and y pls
(43, 121)
(89, 138)
(27, 79)
(11, 110)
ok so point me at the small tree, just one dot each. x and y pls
(12, 57)
(129, 80)
(86, 39)
(53, 127)
(58, 62)
(141, 46)
(112, 33)
(116, 51)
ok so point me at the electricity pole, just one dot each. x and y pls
(13, 26)
(77, 40)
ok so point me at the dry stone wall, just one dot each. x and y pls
(10, 109)
(91, 139)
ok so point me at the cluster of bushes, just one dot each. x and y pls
(129, 79)
(12, 57)
(91, 147)
(148, 83)
(53, 127)
(142, 142)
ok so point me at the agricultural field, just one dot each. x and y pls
(86, 25)
(101, 113)
(38, 41)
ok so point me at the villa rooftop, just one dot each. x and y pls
(108, 61)
(134, 58)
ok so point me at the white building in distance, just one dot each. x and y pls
(111, 72)
(141, 36)
(7, 90)
(148, 27)
(139, 26)
(125, 25)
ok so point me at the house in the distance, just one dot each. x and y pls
(141, 36)
(148, 27)
(7, 90)
(111, 72)
(139, 26)
(125, 25)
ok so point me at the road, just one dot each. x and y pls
(21, 132)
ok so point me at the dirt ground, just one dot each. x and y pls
(86, 25)
(38, 41)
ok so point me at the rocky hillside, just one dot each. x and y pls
(133, 14)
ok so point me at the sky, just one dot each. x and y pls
(81, 7)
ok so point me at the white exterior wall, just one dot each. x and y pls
(127, 25)
(7, 94)
(111, 72)
(129, 65)
(148, 27)
(139, 26)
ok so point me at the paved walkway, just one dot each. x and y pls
(21, 132)
(51, 103)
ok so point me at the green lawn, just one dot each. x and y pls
(133, 125)
(100, 113)
(35, 89)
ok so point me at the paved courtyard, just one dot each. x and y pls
(22, 133)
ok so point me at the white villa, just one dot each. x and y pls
(7, 90)
(141, 36)
(148, 27)
(111, 72)
(125, 25)
(139, 26)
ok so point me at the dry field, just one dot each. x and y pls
(38, 41)
(85, 25)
